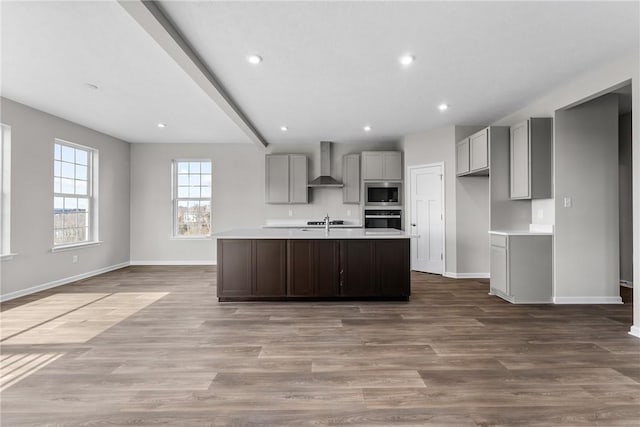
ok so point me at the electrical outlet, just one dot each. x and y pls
(75, 259)
(540, 214)
(348, 212)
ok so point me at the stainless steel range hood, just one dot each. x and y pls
(325, 179)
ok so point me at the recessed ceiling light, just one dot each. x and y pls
(162, 125)
(284, 128)
(254, 59)
(367, 128)
(92, 86)
(443, 107)
(407, 59)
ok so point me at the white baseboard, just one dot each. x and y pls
(587, 300)
(183, 262)
(60, 282)
(635, 331)
(466, 275)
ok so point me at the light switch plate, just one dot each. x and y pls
(568, 202)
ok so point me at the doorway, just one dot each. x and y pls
(426, 217)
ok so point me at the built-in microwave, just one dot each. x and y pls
(383, 194)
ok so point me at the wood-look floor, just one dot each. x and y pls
(152, 346)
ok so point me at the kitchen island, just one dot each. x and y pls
(307, 263)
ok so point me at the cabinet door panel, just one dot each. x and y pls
(462, 157)
(300, 276)
(351, 178)
(357, 267)
(392, 267)
(520, 162)
(372, 164)
(499, 275)
(270, 264)
(327, 268)
(392, 166)
(479, 149)
(277, 178)
(235, 271)
(298, 179)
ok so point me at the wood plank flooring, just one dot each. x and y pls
(152, 346)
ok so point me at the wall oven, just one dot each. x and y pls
(383, 218)
(383, 194)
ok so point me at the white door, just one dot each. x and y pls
(426, 218)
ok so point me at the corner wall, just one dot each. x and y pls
(35, 267)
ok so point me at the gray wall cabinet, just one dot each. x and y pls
(521, 268)
(382, 165)
(472, 154)
(530, 159)
(286, 178)
(351, 178)
(462, 157)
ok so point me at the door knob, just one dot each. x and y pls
(413, 225)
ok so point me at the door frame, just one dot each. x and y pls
(409, 199)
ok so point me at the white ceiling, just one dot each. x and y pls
(329, 67)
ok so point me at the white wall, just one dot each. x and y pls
(592, 83)
(466, 200)
(436, 146)
(32, 138)
(626, 194)
(586, 241)
(238, 186)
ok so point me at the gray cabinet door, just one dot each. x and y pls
(372, 165)
(479, 150)
(277, 178)
(520, 164)
(298, 178)
(499, 274)
(392, 166)
(351, 178)
(462, 157)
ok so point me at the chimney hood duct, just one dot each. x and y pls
(325, 179)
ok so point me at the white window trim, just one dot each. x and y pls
(92, 190)
(61, 248)
(174, 201)
(5, 202)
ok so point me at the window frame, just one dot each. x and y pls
(5, 195)
(92, 196)
(175, 199)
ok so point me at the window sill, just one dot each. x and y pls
(190, 238)
(75, 246)
(7, 257)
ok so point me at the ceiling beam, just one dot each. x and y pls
(154, 21)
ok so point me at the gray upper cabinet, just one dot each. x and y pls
(472, 154)
(382, 165)
(286, 178)
(530, 159)
(351, 178)
(462, 157)
(479, 151)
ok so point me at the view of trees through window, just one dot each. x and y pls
(72, 194)
(192, 204)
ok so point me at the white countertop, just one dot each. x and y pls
(534, 230)
(520, 233)
(314, 233)
(302, 223)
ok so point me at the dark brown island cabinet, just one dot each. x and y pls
(318, 269)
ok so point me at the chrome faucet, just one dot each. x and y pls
(327, 222)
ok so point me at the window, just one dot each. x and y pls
(5, 186)
(74, 207)
(192, 198)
